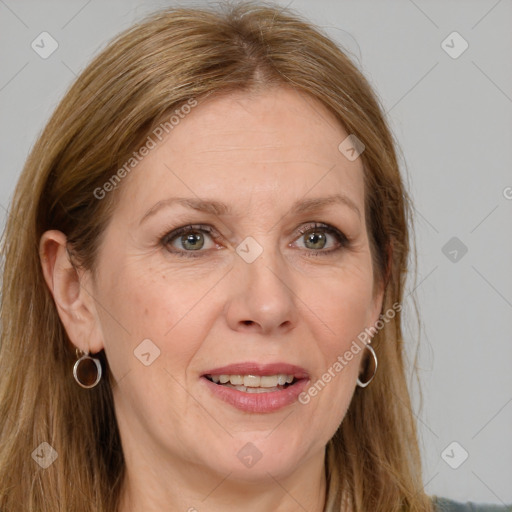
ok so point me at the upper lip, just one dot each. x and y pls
(252, 368)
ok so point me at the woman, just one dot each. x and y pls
(204, 266)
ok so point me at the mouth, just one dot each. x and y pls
(254, 383)
(257, 388)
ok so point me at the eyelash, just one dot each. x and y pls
(341, 238)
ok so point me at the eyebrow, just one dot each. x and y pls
(218, 208)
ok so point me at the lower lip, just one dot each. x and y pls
(257, 402)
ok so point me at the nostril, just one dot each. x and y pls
(247, 322)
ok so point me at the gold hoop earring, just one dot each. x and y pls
(87, 370)
(375, 363)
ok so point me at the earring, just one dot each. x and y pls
(364, 384)
(87, 370)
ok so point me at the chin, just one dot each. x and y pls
(257, 460)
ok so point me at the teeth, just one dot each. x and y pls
(269, 381)
(253, 390)
(253, 381)
(237, 380)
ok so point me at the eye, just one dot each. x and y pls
(192, 240)
(189, 239)
(322, 239)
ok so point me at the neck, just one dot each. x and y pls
(192, 488)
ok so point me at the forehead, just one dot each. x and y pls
(270, 146)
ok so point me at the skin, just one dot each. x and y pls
(259, 153)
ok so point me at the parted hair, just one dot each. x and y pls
(139, 79)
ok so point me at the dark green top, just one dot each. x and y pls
(445, 505)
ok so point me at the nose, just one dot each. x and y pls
(261, 297)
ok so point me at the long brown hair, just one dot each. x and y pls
(142, 76)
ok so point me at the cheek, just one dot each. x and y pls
(344, 304)
(148, 304)
(151, 334)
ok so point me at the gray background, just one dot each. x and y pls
(453, 120)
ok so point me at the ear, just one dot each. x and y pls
(72, 292)
(380, 287)
(377, 301)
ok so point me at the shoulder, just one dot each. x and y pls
(446, 505)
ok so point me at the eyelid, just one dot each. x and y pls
(174, 233)
(171, 234)
(320, 225)
(340, 236)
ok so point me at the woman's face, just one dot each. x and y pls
(228, 255)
